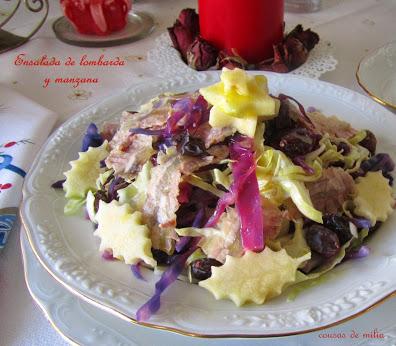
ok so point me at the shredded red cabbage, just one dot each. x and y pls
(300, 107)
(92, 138)
(311, 109)
(148, 132)
(117, 184)
(360, 222)
(226, 200)
(299, 161)
(108, 255)
(187, 114)
(244, 192)
(136, 271)
(363, 251)
(184, 242)
(167, 278)
(185, 190)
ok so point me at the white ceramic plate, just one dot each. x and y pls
(82, 323)
(68, 250)
(376, 74)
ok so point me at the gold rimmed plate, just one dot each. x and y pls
(66, 247)
(85, 324)
(376, 74)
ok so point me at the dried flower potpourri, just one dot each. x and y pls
(201, 55)
(243, 192)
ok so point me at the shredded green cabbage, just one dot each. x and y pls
(135, 194)
(279, 178)
(199, 182)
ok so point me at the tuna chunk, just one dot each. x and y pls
(213, 135)
(332, 125)
(190, 164)
(330, 192)
(162, 192)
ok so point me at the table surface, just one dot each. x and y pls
(353, 27)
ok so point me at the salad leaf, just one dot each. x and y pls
(275, 171)
(199, 182)
(297, 245)
(222, 177)
(135, 194)
(219, 241)
(358, 137)
(254, 277)
(121, 230)
(296, 289)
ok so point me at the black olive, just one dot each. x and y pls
(369, 142)
(192, 147)
(201, 269)
(298, 142)
(322, 240)
(338, 224)
(161, 257)
(314, 262)
(346, 149)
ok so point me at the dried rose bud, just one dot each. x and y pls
(231, 61)
(308, 38)
(278, 63)
(201, 55)
(181, 38)
(295, 53)
(190, 19)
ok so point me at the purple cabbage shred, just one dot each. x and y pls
(108, 255)
(136, 271)
(92, 138)
(244, 192)
(363, 251)
(187, 114)
(299, 161)
(360, 222)
(167, 278)
(300, 107)
(311, 109)
(183, 242)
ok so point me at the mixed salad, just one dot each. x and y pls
(243, 192)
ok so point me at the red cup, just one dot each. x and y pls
(248, 28)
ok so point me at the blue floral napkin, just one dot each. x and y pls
(24, 126)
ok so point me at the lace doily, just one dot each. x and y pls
(168, 63)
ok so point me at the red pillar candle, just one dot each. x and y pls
(248, 28)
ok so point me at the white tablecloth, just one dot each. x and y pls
(352, 26)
